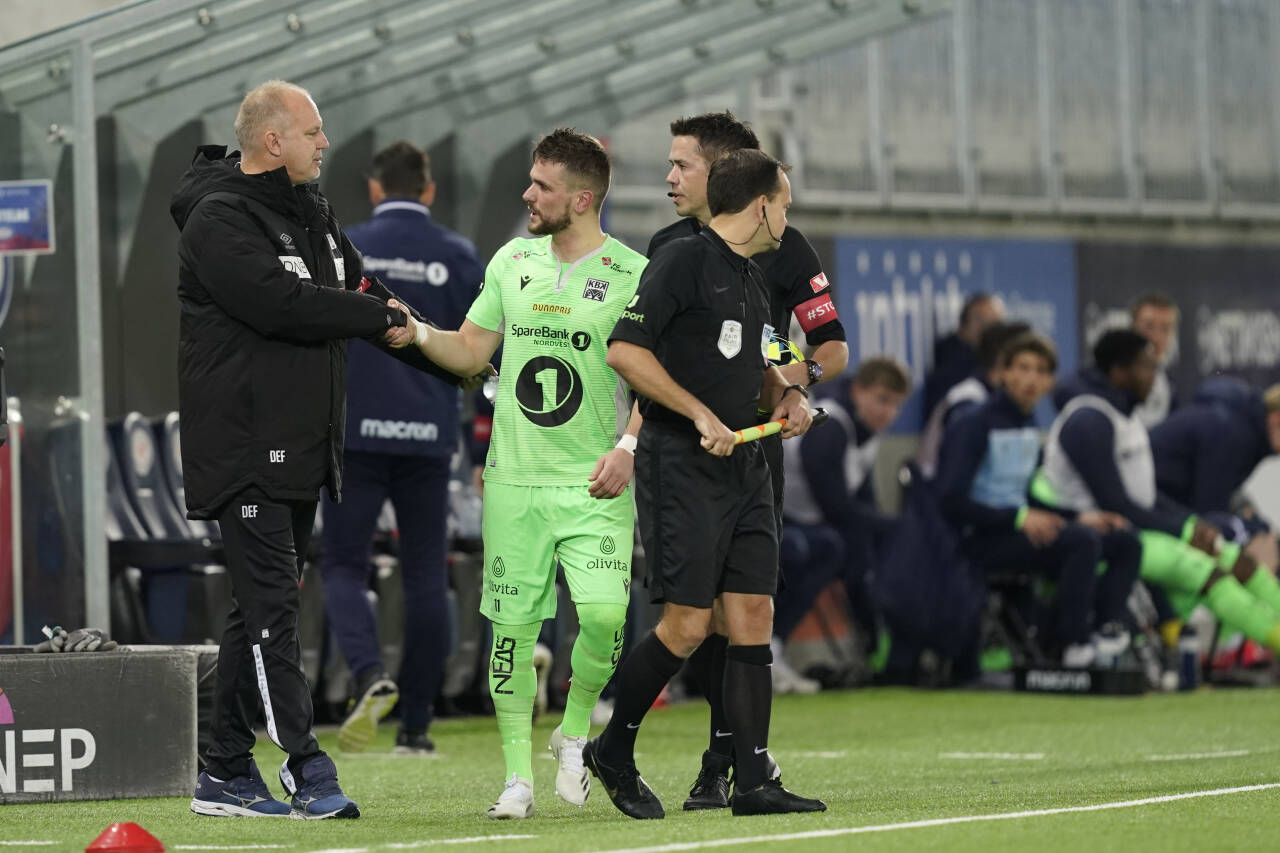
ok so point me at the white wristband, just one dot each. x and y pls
(420, 336)
(627, 443)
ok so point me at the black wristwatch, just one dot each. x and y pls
(804, 392)
(815, 371)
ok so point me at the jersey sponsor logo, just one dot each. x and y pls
(730, 343)
(619, 268)
(616, 565)
(606, 260)
(503, 664)
(548, 391)
(433, 273)
(295, 265)
(548, 308)
(403, 430)
(595, 290)
(503, 588)
(524, 281)
(818, 311)
(499, 568)
(545, 336)
(607, 545)
(631, 315)
(819, 282)
(580, 341)
(286, 239)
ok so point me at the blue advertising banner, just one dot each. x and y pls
(26, 217)
(898, 295)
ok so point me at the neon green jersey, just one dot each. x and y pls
(559, 407)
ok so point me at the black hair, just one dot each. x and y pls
(976, 299)
(1118, 348)
(885, 371)
(403, 169)
(581, 155)
(741, 176)
(717, 133)
(993, 339)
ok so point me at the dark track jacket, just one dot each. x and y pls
(268, 289)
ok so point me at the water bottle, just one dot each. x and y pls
(1188, 659)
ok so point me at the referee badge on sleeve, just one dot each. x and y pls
(730, 343)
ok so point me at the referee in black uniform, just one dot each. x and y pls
(798, 287)
(692, 343)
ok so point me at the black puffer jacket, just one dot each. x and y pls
(268, 289)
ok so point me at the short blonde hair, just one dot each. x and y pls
(262, 108)
(1271, 398)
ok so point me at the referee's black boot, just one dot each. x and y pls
(772, 798)
(711, 790)
(633, 797)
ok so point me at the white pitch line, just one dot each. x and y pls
(229, 847)
(471, 840)
(1002, 756)
(945, 821)
(26, 843)
(1233, 753)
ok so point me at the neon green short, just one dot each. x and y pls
(526, 528)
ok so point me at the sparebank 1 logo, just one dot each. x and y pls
(28, 756)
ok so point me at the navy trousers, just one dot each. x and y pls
(418, 487)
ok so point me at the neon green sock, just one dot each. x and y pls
(1173, 564)
(1263, 585)
(512, 684)
(595, 656)
(1233, 604)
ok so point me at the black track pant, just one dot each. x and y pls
(260, 660)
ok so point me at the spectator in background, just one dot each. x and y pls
(830, 487)
(955, 356)
(1155, 317)
(989, 454)
(402, 430)
(1204, 453)
(1098, 456)
(968, 393)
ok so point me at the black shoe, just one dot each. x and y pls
(711, 790)
(624, 786)
(413, 743)
(772, 798)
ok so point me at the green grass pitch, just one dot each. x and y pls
(880, 758)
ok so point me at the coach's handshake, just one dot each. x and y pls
(465, 352)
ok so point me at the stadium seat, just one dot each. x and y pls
(168, 436)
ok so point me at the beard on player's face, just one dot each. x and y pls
(548, 223)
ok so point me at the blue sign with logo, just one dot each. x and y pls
(26, 217)
(897, 296)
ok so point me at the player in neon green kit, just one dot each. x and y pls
(555, 483)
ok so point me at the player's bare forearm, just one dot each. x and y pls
(466, 352)
(635, 421)
(641, 370)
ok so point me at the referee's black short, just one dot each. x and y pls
(706, 522)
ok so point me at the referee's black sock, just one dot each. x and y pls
(707, 663)
(643, 675)
(748, 701)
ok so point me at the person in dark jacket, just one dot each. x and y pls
(402, 430)
(830, 488)
(988, 457)
(268, 289)
(1098, 456)
(1205, 451)
(955, 356)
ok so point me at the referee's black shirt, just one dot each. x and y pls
(704, 313)
(795, 279)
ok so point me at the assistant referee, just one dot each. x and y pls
(692, 343)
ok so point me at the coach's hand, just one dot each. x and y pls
(1206, 537)
(795, 408)
(400, 336)
(717, 439)
(612, 474)
(473, 382)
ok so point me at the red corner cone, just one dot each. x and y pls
(125, 838)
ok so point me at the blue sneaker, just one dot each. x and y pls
(317, 795)
(243, 796)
